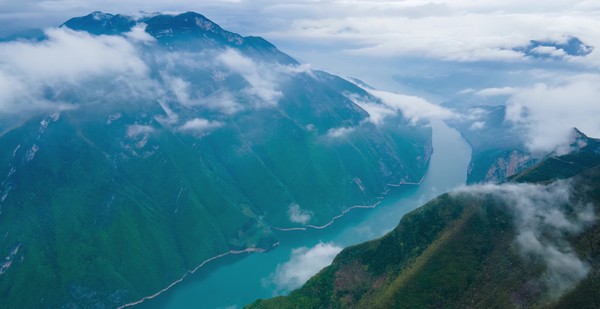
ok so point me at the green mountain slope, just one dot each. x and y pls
(492, 246)
(124, 192)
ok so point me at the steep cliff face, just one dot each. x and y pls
(497, 165)
(498, 146)
(506, 167)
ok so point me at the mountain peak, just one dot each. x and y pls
(579, 140)
(567, 46)
(186, 25)
(98, 15)
(101, 23)
(185, 31)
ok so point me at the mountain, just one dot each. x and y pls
(190, 30)
(532, 242)
(498, 147)
(569, 46)
(583, 156)
(188, 142)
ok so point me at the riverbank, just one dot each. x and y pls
(233, 281)
(191, 272)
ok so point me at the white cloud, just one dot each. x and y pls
(180, 89)
(340, 132)
(70, 68)
(136, 130)
(222, 101)
(450, 30)
(550, 111)
(549, 51)
(138, 33)
(303, 263)
(263, 83)
(298, 215)
(492, 92)
(475, 113)
(183, 92)
(70, 55)
(238, 62)
(413, 108)
(199, 125)
(169, 118)
(377, 111)
(462, 30)
(33, 75)
(296, 69)
(543, 224)
(459, 30)
(477, 125)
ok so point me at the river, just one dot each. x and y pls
(234, 281)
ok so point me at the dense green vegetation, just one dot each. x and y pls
(459, 251)
(565, 166)
(109, 202)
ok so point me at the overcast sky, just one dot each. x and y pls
(331, 33)
(434, 49)
(461, 30)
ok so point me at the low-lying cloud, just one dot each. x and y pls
(341, 132)
(490, 92)
(299, 215)
(69, 69)
(549, 112)
(377, 111)
(70, 55)
(412, 108)
(136, 130)
(263, 83)
(303, 264)
(36, 75)
(200, 125)
(545, 215)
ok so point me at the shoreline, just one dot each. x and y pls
(310, 226)
(345, 211)
(190, 272)
(262, 250)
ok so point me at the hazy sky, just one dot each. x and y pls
(457, 30)
(332, 33)
(434, 49)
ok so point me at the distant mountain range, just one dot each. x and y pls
(115, 197)
(531, 242)
(571, 46)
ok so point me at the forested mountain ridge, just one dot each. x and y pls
(531, 242)
(188, 142)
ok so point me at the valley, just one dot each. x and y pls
(187, 142)
(211, 287)
(299, 154)
(532, 241)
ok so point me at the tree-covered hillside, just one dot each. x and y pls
(532, 242)
(168, 141)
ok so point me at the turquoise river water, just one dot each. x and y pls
(233, 281)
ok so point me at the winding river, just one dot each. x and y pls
(233, 281)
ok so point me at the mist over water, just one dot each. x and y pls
(235, 281)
